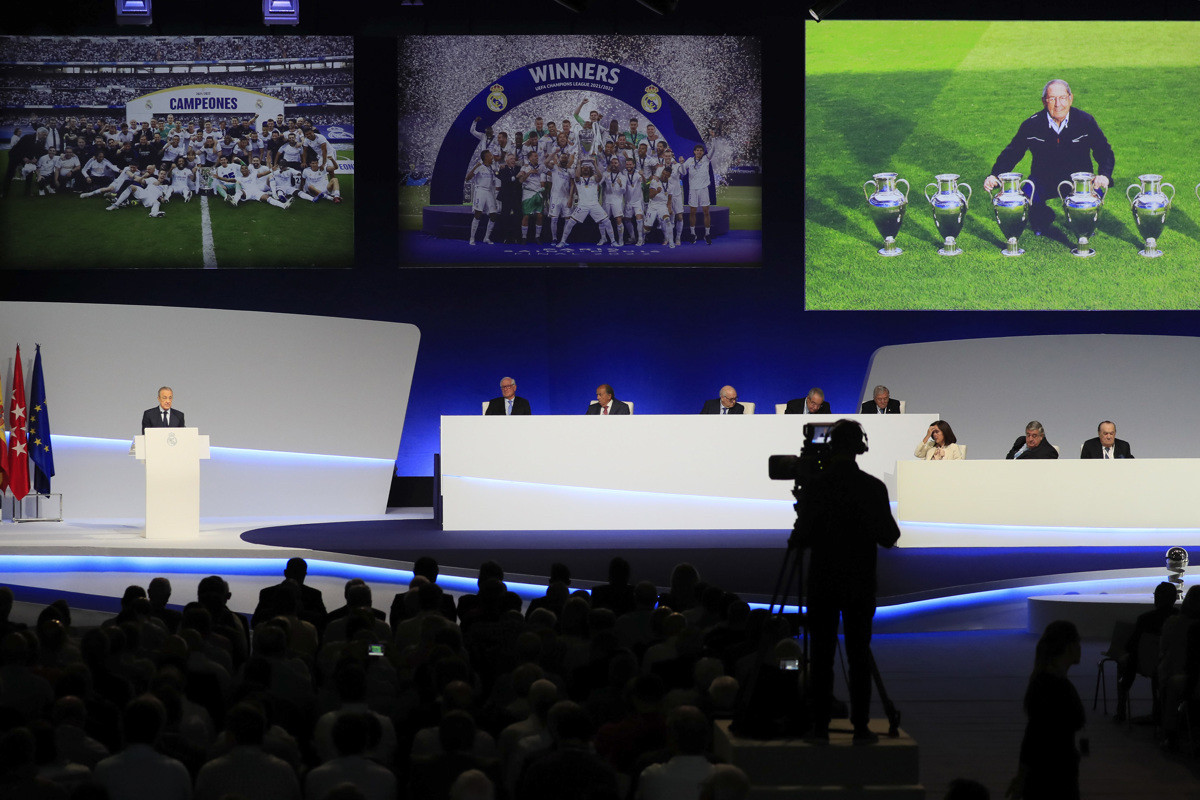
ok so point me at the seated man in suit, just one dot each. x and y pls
(812, 403)
(725, 404)
(882, 404)
(508, 403)
(1106, 445)
(162, 415)
(607, 404)
(1033, 444)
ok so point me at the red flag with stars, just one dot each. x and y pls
(17, 475)
(3, 443)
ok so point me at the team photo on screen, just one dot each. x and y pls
(542, 151)
(177, 152)
(1001, 165)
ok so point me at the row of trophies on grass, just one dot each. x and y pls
(1081, 203)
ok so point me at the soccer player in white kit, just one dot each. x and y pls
(533, 179)
(615, 183)
(658, 208)
(561, 179)
(699, 177)
(635, 204)
(147, 191)
(674, 186)
(182, 181)
(224, 179)
(252, 184)
(320, 146)
(587, 190)
(47, 165)
(68, 167)
(285, 182)
(316, 183)
(97, 169)
(484, 183)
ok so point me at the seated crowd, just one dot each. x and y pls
(610, 693)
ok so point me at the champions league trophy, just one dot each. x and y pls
(887, 206)
(1177, 563)
(1150, 206)
(1083, 210)
(949, 209)
(1012, 209)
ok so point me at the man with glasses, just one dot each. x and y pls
(725, 404)
(508, 404)
(1061, 141)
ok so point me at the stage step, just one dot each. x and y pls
(796, 769)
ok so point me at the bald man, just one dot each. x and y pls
(725, 404)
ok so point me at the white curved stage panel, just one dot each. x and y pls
(988, 389)
(666, 472)
(1142, 501)
(304, 413)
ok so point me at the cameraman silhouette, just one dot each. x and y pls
(843, 515)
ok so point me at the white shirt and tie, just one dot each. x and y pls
(508, 406)
(1108, 451)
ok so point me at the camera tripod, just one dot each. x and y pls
(753, 701)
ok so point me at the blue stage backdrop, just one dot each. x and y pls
(556, 75)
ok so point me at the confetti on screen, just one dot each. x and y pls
(717, 80)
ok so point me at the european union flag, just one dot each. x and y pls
(41, 452)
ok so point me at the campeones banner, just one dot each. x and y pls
(203, 99)
(652, 102)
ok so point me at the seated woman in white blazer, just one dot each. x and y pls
(939, 444)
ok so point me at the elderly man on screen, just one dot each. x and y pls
(1033, 444)
(1061, 141)
(1106, 445)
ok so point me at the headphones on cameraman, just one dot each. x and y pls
(847, 434)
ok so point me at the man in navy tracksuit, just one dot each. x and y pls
(1061, 141)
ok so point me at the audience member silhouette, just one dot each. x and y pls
(1049, 761)
(1149, 623)
(312, 604)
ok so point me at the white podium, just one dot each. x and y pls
(172, 457)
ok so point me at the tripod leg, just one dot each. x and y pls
(889, 708)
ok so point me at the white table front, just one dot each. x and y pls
(1072, 493)
(664, 472)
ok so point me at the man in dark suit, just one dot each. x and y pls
(812, 403)
(725, 404)
(162, 415)
(312, 604)
(1033, 444)
(606, 404)
(882, 404)
(508, 404)
(31, 145)
(1106, 445)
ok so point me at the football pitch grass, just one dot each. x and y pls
(62, 231)
(923, 98)
(745, 206)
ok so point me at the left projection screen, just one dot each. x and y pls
(285, 398)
